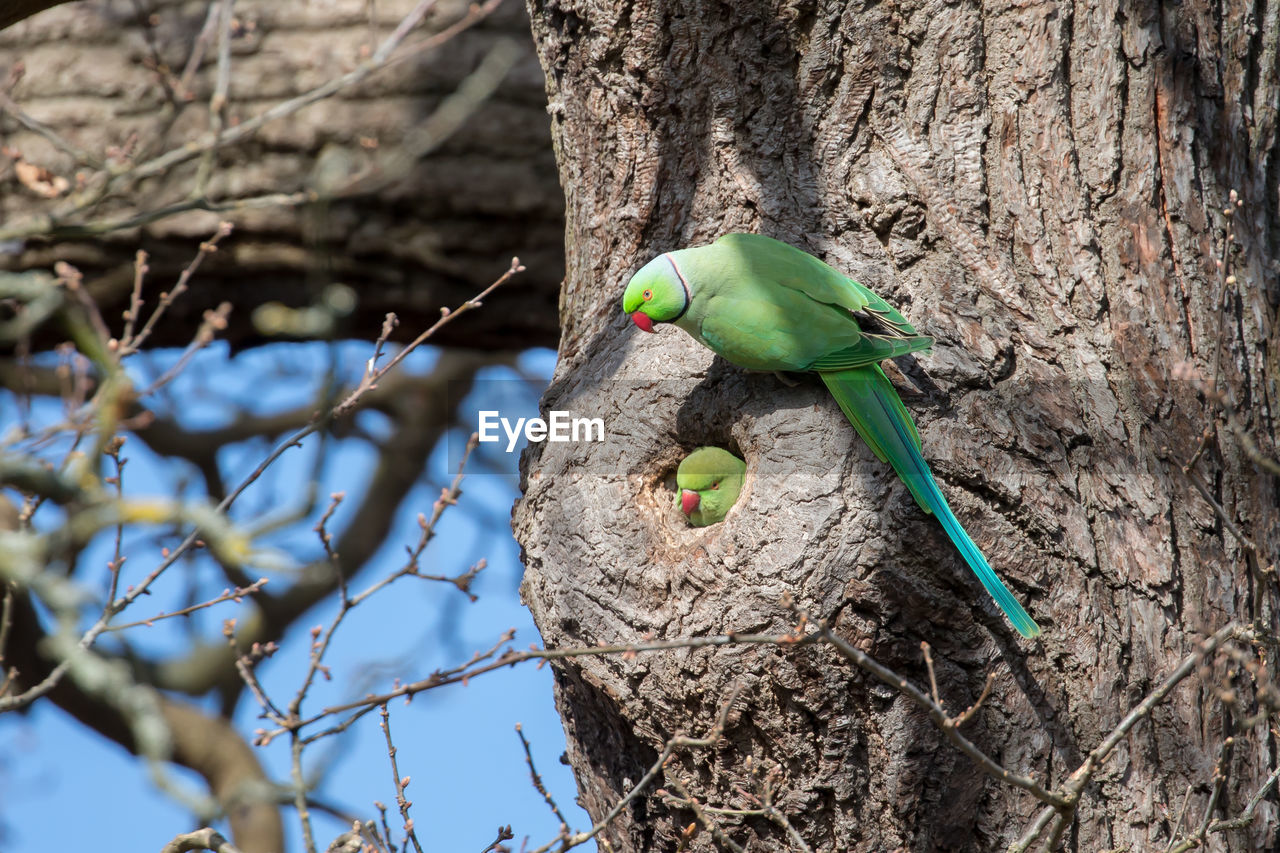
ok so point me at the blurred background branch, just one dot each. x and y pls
(374, 159)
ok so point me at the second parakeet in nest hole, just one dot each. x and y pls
(709, 480)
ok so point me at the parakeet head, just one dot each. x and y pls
(658, 293)
(709, 480)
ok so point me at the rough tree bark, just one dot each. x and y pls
(110, 78)
(1039, 186)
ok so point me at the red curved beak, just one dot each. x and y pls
(689, 501)
(643, 320)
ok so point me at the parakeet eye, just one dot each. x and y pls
(648, 294)
(715, 485)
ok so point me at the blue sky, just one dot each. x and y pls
(457, 744)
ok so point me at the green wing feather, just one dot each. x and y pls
(775, 261)
(869, 401)
(872, 349)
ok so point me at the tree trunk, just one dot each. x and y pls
(1041, 188)
(123, 82)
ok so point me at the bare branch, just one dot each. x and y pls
(1076, 782)
(948, 726)
(114, 178)
(677, 742)
(701, 813)
(128, 346)
(237, 595)
(504, 834)
(401, 782)
(8, 105)
(537, 781)
(1069, 792)
(373, 373)
(218, 101)
(1246, 817)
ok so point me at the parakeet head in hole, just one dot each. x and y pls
(709, 480)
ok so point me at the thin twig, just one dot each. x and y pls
(373, 373)
(407, 23)
(207, 248)
(1200, 486)
(701, 814)
(140, 270)
(986, 691)
(213, 321)
(301, 804)
(117, 556)
(504, 834)
(933, 679)
(84, 158)
(197, 52)
(244, 664)
(677, 742)
(6, 625)
(458, 675)
(476, 667)
(1068, 794)
(1246, 817)
(401, 782)
(1081, 776)
(448, 497)
(1034, 831)
(218, 101)
(1182, 813)
(940, 718)
(537, 780)
(1219, 780)
(236, 595)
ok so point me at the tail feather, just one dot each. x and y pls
(869, 401)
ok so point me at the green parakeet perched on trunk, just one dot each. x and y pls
(709, 480)
(765, 305)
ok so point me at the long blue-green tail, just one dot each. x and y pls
(869, 401)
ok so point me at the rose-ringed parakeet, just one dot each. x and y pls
(709, 480)
(764, 305)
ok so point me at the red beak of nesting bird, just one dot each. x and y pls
(643, 320)
(688, 499)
